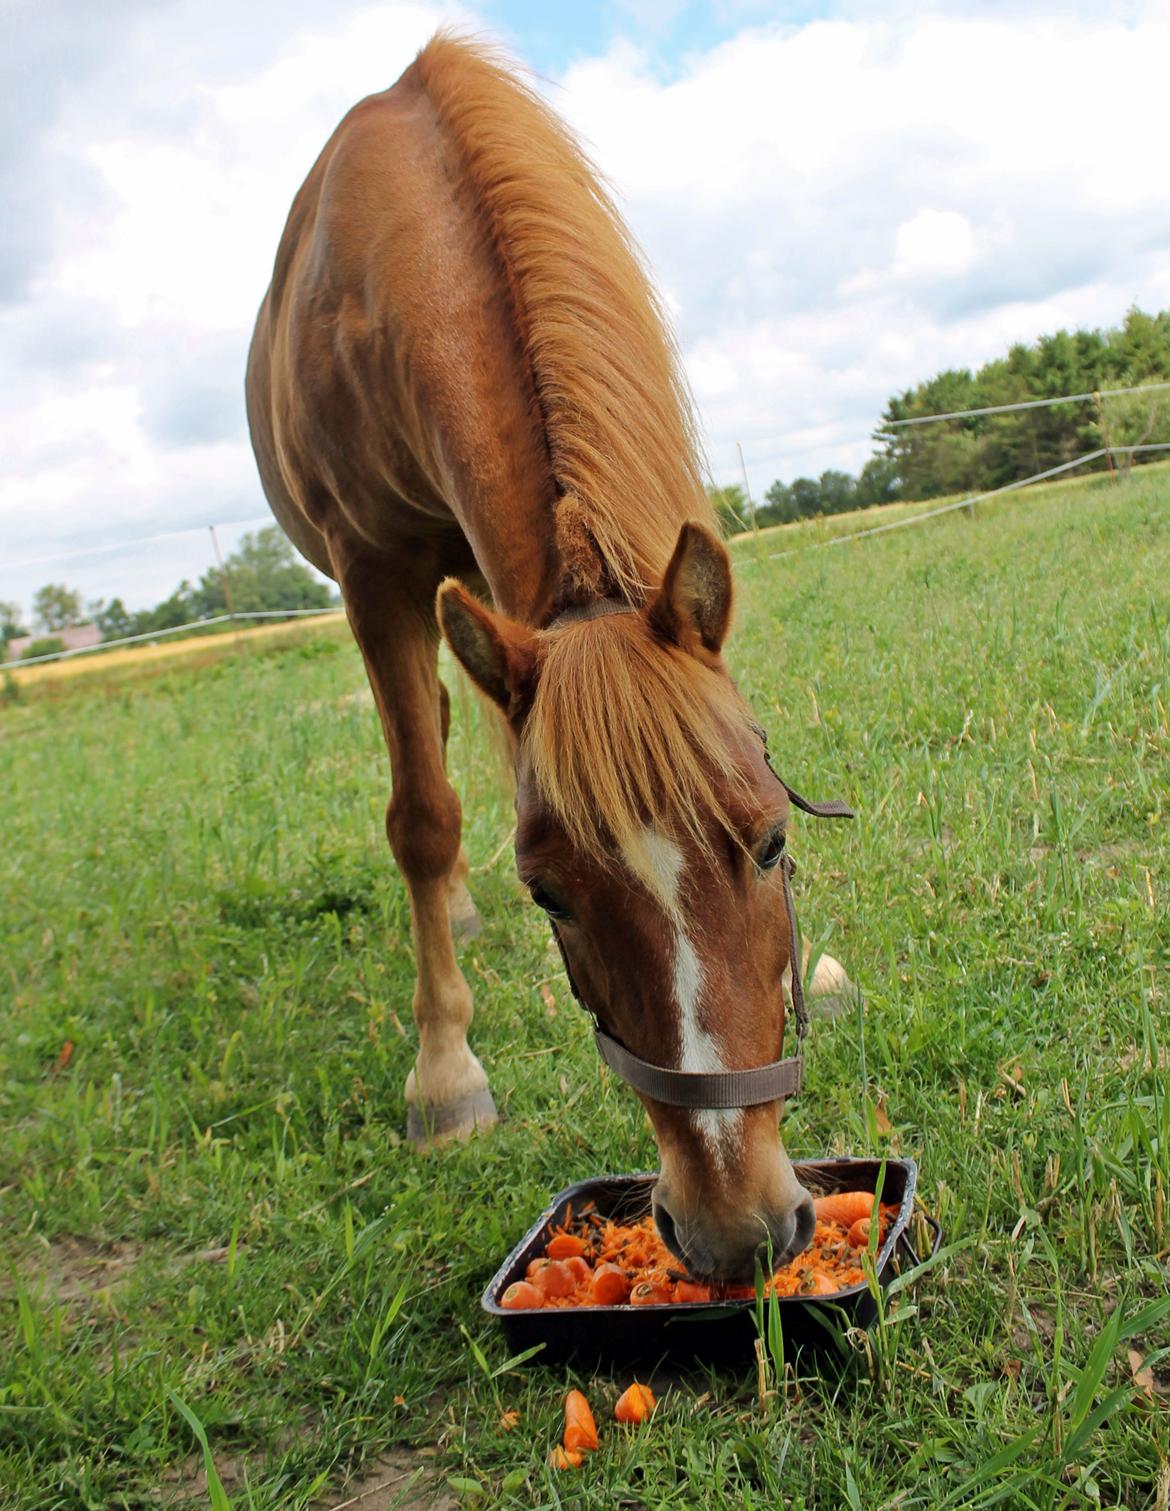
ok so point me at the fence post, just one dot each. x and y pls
(747, 488)
(227, 589)
(1104, 429)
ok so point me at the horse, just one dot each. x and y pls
(466, 408)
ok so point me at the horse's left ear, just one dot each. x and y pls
(496, 653)
(694, 600)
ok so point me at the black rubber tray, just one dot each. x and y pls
(700, 1329)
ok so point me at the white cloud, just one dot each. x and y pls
(833, 210)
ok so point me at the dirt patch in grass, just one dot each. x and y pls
(73, 1269)
(401, 1478)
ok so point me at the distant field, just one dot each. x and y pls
(100, 664)
(205, 1029)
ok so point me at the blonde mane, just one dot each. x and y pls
(625, 730)
(613, 402)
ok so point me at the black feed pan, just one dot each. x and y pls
(699, 1329)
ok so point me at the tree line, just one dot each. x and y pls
(982, 452)
(263, 573)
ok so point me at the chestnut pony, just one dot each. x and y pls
(461, 389)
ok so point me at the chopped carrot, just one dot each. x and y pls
(580, 1428)
(635, 1404)
(553, 1279)
(565, 1246)
(844, 1207)
(622, 1262)
(859, 1233)
(566, 1458)
(579, 1269)
(510, 1419)
(611, 1285)
(521, 1296)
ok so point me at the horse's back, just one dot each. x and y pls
(384, 376)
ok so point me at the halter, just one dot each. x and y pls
(723, 1088)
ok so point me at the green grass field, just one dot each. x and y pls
(209, 1219)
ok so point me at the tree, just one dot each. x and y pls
(806, 497)
(731, 508)
(779, 508)
(838, 492)
(878, 483)
(114, 620)
(10, 625)
(56, 607)
(263, 573)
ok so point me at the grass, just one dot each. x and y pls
(212, 1233)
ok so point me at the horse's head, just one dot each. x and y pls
(651, 828)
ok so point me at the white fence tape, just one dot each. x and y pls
(177, 629)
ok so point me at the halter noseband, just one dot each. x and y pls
(724, 1088)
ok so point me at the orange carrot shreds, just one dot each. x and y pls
(646, 1293)
(580, 1428)
(634, 1405)
(522, 1296)
(691, 1290)
(859, 1233)
(553, 1279)
(509, 1420)
(610, 1285)
(566, 1458)
(565, 1246)
(845, 1207)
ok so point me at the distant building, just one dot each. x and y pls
(77, 637)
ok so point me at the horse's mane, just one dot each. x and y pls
(613, 402)
(624, 730)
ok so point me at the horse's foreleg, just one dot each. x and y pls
(447, 1091)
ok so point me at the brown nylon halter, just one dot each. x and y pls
(724, 1088)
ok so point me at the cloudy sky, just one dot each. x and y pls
(837, 199)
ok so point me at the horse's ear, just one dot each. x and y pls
(494, 652)
(695, 597)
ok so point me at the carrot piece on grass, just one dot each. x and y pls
(844, 1207)
(635, 1404)
(610, 1286)
(565, 1246)
(521, 1295)
(580, 1428)
(510, 1419)
(566, 1458)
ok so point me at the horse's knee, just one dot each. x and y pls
(423, 826)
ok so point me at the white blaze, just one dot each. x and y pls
(658, 862)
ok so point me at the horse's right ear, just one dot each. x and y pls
(497, 654)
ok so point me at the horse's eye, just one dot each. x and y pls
(770, 856)
(544, 899)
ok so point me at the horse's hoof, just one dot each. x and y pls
(466, 922)
(428, 1125)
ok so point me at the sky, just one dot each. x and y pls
(836, 200)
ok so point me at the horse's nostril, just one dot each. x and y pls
(667, 1230)
(804, 1224)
